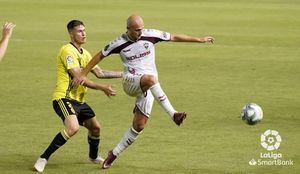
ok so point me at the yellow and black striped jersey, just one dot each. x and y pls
(70, 57)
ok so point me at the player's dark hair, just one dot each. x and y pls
(73, 23)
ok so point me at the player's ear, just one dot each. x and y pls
(71, 34)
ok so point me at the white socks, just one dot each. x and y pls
(162, 99)
(129, 137)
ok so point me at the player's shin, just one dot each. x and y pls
(129, 137)
(94, 145)
(59, 140)
(162, 99)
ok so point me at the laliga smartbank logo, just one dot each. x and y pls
(270, 140)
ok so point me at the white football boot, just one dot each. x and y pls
(40, 164)
(98, 160)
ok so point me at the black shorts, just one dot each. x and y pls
(65, 107)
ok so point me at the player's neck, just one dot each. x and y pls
(130, 38)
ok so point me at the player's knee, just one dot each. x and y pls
(95, 130)
(149, 80)
(139, 127)
(139, 120)
(72, 130)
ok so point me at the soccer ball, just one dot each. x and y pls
(251, 113)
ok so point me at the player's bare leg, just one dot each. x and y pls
(138, 124)
(93, 139)
(151, 82)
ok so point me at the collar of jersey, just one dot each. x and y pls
(80, 51)
(128, 38)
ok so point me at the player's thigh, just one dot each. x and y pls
(87, 117)
(144, 103)
(65, 109)
(71, 125)
(131, 85)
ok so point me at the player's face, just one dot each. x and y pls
(78, 34)
(135, 32)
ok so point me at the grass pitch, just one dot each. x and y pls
(255, 59)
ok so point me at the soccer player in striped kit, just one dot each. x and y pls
(140, 78)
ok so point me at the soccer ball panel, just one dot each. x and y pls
(252, 113)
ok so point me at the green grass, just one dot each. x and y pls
(255, 59)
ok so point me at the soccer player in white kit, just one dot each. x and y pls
(140, 79)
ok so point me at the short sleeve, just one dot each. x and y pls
(69, 60)
(109, 48)
(160, 35)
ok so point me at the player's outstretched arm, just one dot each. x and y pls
(93, 62)
(106, 74)
(187, 38)
(80, 78)
(6, 34)
(107, 89)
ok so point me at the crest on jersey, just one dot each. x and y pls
(69, 59)
(146, 45)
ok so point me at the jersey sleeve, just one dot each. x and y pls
(69, 60)
(160, 35)
(111, 47)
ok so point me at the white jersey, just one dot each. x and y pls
(138, 57)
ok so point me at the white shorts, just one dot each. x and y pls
(132, 87)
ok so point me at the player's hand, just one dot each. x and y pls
(209, 39)
(109, 91)
(78, 80)
(7, 29)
